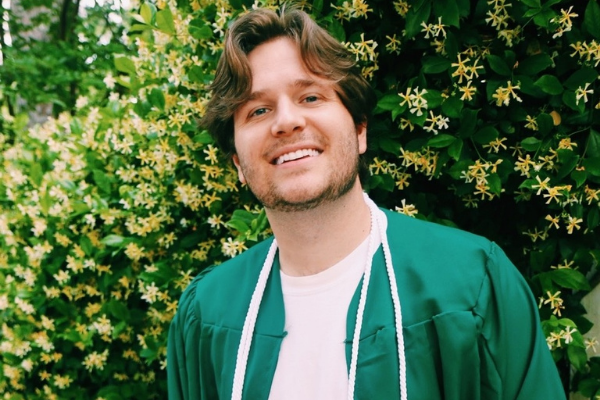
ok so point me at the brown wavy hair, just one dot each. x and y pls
(323, 55)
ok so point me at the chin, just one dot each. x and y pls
(304, 200)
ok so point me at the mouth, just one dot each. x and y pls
(296, 155)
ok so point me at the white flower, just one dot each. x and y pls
(109, 81)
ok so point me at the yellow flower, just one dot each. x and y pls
(504, 94)
(573, 224)
(393, 45)
(582, 92)
(95, 360)
(407, 209)
(467, 91)
(531, 123)
(401, 7)
(232, 247)
(62, 382)
(591, 343)
(553, 221)
(542, 185)
(495, 145)
(564, 22)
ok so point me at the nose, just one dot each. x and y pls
(288, 118)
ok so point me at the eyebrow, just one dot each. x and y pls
(298, 84)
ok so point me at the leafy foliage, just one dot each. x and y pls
(487, 120)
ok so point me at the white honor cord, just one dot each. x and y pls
(377, 218)
(249, 323)
(380, 217)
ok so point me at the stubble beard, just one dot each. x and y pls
(341, 182)
(336, 189)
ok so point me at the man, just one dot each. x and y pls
(348, 301)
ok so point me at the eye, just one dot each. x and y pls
(311, 99)
(258, 112)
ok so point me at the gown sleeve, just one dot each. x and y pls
(183, 364)
(516, 362)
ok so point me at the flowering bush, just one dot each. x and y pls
(487, 120)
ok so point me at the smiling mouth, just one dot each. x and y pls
(296, 155)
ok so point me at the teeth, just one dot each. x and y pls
(294, 155)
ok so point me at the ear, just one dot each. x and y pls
(236, 162)
(361, 132)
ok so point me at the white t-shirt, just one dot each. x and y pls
(312, 359)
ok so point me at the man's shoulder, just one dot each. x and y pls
(236, 270)
(433, 235)
(227, 286)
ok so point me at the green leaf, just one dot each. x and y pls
(593, 218)
(147, 12)
(486, 134)
(591, 19)
(203, 137)
(434, 98)
(448, 10)
(317, 7)
(498, 65)
(580, 77)
(531, 144)
(389, 102)
(495, 184)
(124, 64)
(36, 174)
(543, 18)
(336, 30)
(579, 177)
(569, 161)
(464, 7)
(200, 32)
(593, 144)
(577, 357)
(545, 123)
(441, 141)
(435, 64)
(236, 4)
(139, 28)
(196, 74)
(589, 387)
(452, 107)
(164, 21)
(455, 149)
(102, 180)
(532, 3)
(157, 98)
(468, 122)
(118, 310)
(238, 225)
(385, 182)
(389, 145)
(570, 279)
(549, 84)
(568, 97)
(113, 240)
(86, 245)
(415, 16)
(534, 64)
(592, 166)
(528, 183)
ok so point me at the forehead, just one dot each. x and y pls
(279, 62)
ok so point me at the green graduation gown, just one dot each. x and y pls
(471, 326)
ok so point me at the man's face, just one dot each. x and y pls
(296, 144)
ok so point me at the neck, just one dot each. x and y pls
(313, 240)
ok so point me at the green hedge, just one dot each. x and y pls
(487, 120)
